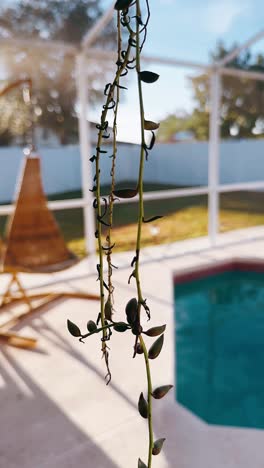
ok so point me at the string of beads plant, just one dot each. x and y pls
(132, 21)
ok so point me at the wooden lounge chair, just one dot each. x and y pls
(34, 244)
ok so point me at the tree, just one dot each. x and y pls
(242, 111)
(196, 123)
(51, 70)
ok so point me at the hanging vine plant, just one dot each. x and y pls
(131, 25)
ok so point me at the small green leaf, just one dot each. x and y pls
(152, 141)
(120, 327)
(133, 275)
(150, 220)
(126, 193)
(73, 329)
(148, 76)
(149, 125)
(155, 331)
(108, 310)
(156, 348)
(160, 392)
(132, 310)
(139, 349)
(122, 4)
(142, 406)
(141, 464)
(157, 447)
(91, 326)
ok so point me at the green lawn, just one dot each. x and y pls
(184, 218)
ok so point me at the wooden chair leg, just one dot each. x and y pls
(81, 295)
(22, 291)
(7, 294)
(13, 339)
(9, 297)
(47, 299)
(8, 337)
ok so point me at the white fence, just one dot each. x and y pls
(177, 164)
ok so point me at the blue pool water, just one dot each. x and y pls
(220, 348)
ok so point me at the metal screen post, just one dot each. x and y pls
(213, 156)
(86, 150)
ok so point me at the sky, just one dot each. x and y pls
(189, 30)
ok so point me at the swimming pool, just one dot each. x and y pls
(219, 320)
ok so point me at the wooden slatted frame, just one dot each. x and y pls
(13, 265)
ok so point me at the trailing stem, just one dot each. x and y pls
(111, 195)
(142, 158)
(150, 426)
(139, 230)
(102, 129)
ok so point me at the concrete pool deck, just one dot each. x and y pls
(56, 411)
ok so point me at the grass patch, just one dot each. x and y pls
(184, 218)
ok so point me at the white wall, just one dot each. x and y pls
(187, 163)
(242, 161)
(60, 169)
(180, 164)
